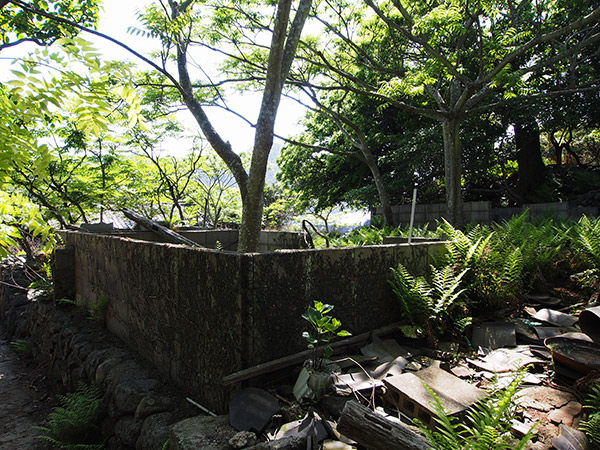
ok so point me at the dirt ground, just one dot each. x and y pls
(25, 400)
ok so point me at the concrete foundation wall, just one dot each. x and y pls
(199, 315)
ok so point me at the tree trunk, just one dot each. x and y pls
(388, 216)
(453, 170)
(529, 157)
(281, 54)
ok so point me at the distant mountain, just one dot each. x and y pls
(272, 167)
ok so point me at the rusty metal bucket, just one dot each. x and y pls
(589, 322)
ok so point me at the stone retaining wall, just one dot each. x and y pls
(199, 315)
(138, 405)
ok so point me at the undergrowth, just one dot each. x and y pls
(73, 424)
(487, 424)
(591, 426)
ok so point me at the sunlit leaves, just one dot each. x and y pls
(17, 213)
(18, 24)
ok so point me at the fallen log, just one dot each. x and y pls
(296, 358)
(170, 235)
(375, 432)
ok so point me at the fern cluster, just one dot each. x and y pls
(73, 424)
(591, 426)
(433, 307)
(495, 265)
(586, 238)
(487, 425)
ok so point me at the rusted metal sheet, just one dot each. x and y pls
(589, 322)
(579, 355)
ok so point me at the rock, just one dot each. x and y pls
(124, 371)
(566, 414)
(543, 398)
(205, 432)
(107, 426)
(153, 404)
(104, 368)
(127, 430)
(289, 443)
(243, 439)
(155, 432)
(129, 394)
(96, 357)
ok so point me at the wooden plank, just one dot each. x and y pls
(376, 432)
(151, 225)
(296, 358)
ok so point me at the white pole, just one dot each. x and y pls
(412, 215)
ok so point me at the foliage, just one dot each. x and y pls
(18, 25)
(495, 268)
(19, 218)
(323, 329)
(487, 426)
(73, 424)
(23, 346)
(586, 239)
(372, 235)
(434, 306)
(591, 426)
(451, 61)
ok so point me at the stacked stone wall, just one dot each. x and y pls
(138, 404)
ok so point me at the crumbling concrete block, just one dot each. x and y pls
(409, 394)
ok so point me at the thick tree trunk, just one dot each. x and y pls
(529, 157)
(453, 170)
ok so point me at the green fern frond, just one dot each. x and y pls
(487, 423)
(75, 419)
(591, 427)
(513, 268)
(587, 238)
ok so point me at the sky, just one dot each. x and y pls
(118, 15)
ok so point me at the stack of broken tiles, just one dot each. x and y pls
(409, 393)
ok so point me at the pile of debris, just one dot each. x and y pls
(370, 397)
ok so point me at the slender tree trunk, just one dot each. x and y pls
(388, 216)
(453, 170)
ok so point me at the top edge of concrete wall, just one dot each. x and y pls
(148, 237)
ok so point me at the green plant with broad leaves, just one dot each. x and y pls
(73, 424)
(487, 424)
(323, 328)
(432, 307)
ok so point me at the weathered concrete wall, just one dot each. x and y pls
(354, 280)
(199, 315)
(178, 307)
